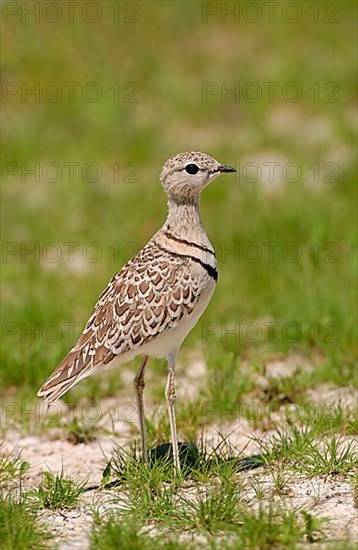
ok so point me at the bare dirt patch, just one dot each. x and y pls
(50, 450)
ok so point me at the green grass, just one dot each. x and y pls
(19, 526)
(11, 467)
(56, 492)
(190, 415)
(207, 502)
(264, 309)
(227, 383)
(80, 431)
(333, 458)
(167, 118)
(307, 451)
(212, 509)
(264, 529)
(331, 418)
(114, 533)
(214, 503)
(215, 506)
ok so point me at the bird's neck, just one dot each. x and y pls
(183, 219)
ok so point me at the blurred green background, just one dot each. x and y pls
(119, 88)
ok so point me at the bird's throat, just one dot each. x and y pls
(183, 219)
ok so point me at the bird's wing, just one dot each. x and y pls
(148, 296)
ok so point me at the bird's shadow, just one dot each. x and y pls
(193, 461)
(193, 458)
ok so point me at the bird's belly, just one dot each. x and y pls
(171, 340)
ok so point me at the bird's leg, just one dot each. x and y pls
(139, 388)
(170, 398)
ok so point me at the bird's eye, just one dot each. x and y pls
(192, 169)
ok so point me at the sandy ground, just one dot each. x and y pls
(51, 450)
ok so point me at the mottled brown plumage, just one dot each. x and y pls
(156, 298)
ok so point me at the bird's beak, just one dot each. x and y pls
(224, 168)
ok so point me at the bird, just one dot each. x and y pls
(155, 299)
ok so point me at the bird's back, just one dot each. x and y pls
(147, 307)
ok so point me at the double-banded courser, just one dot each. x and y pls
(154, 301)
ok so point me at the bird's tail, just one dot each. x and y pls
(66, 375)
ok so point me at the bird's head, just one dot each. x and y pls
(187, 174)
